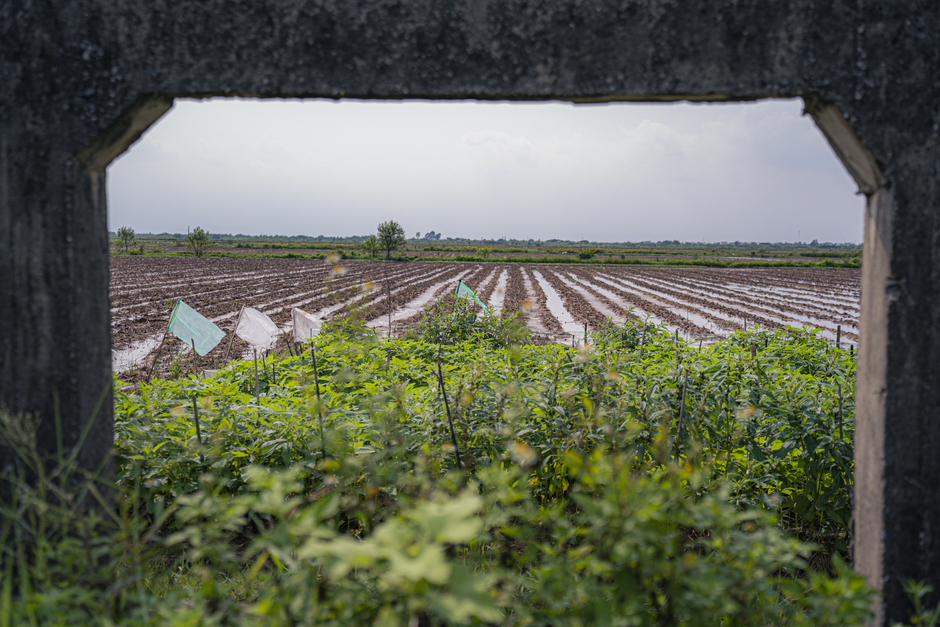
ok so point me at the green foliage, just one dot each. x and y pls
(126, 235)
(371, 245)
(198, 241)
(458, 321)
(391, 237)
(580, 501)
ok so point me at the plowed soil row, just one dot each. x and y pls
(695, 301)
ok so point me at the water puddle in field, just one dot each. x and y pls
(499, 294)
(691, 315)
(576, 284)
(485, 282)
(827, 330)
(532, 318)
(415, 305)
(557, 307)
(789, 318)
(125, 359)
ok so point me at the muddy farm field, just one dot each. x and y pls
(556, 301)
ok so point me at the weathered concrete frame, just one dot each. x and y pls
(81, 81)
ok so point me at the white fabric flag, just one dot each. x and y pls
(256, 328)
(306, 326)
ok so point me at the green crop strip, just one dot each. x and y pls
(581, 500)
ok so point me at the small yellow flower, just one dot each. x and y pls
(526, 306)
(747, 411)
(522, 453)
(332, 258)
(337, 270)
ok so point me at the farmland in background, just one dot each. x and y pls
(556, 301)
(550, 251)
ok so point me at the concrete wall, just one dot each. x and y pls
(79, 82)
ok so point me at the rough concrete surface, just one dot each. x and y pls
(80, 80)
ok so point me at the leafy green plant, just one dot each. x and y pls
(391, 236)
(198, 241)
(126, 236)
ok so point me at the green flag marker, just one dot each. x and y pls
(194, 329)
(465, 292)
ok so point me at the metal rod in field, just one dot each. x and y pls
(316, 381)
(685, 382)
(232, 340)
(198, 431)
(450, 421)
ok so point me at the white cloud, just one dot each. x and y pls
(615, 172)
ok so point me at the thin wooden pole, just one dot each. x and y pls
(198, 432)
(685, 383)
(159, 350)
(193, 342)
(257, 392)
(388, 293)
(838, 336)
(316, 381)
(231, 341)
(450, 421)
(841, 434)
(678, 358)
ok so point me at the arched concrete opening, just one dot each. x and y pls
(81, 83)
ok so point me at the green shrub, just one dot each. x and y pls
(579, 500)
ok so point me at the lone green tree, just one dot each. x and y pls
(198, 240)
(391, 237)
(126, 235)
(371, 245)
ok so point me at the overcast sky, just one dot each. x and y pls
(616, 172)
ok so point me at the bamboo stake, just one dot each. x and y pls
(202, 459)
(685, 382)
(193, 342)
(450, 421)
(316, 381)
(232, 341)
(838, 336)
